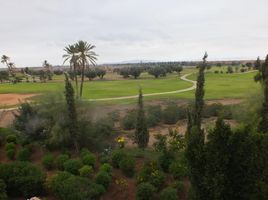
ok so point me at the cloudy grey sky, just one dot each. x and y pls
(34, 30)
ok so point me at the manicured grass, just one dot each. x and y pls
(217, 86)
(104, 89)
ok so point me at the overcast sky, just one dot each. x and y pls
(122, 30)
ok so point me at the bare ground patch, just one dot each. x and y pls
(14, 99)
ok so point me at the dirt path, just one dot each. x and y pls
(13, 99)
(184, 78)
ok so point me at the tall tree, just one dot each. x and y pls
(10, 66)
(141, 132)
(71, 55)
(86, 56)
(257, 64)
(263, 125)
(71, 108)
(195, 138)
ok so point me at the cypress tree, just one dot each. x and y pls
(263, 125)
(195, 138)
(141, 132)
(257, 64)
(71, 109)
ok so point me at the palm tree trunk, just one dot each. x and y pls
(76, 81)
(82, 78)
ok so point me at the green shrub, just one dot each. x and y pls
(129, 120)
(154, 115)
(117, 156)
(48, 161)
(9, 146)
(169, 193)
(84, 152)
(24, 154)
(86, 171)
(11, 154)
(89, 159)
(106, 167)
(212, 110)
(3, 192)
(103, 178)
(145, 191)
(73, 166)
(178, 170)
(151, 173)
(104, 127)
(66, 186)
(22, 179)
(11, 138)
(127, 165)
(61, 159)
(178, 185)
(165, 159)
(172, 113)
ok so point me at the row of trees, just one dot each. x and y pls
(228, 164)
(156, 71)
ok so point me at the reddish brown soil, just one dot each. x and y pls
(13, 99)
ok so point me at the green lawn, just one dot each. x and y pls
(217, 86)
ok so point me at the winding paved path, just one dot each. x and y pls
(184, 78)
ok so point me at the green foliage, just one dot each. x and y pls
(66, 186)
(61, 159)
(157, 71)
(127, 165)
(11, 138)
(86, 171)
(129, 120)
(24, 154)
(89, 159)
(145, 191)
(151, 173)
(141, 132)
(117, 157)
(72, 115)
(153, 115)
(22, 179)
(178, 169)
(3, 193)
(48, 161)
(169, 193)
(106, 167)
(11, 154)
(103, 178)
(9, 146)
(172, 113)
(165, 158)
(100, 72)
(73, 166)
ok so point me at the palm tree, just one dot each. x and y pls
(11, 68)
(71, 55)
(86, 56)
(5, 59)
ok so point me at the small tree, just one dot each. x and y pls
(91, 74)
(72, 115)
(100, 72)
(135, 71)
(141, 133)
(157, 71)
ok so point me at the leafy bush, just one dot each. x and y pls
(3, 192)
(89, 159)
(152, 174)
(145, 191)
(9, 146)
(127, 165)
(178, 169)
(129, 120)
(169, 193)
(117, 156)
(103, 178)
(66, 186)
(11, 154)
(172, 113)
(212, 110)
(24, 154)
(178, 185)
(106, 167)
(48, 161)
(84, 152)
(11, 138)
(165, 159)
(61, 159)
(73, 166)
(22, 179)
(154, 115)
(104, 127)
(86, 171)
